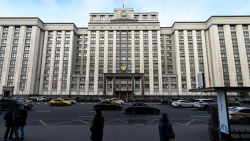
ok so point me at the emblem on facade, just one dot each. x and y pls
(124, 14)
(123, 68)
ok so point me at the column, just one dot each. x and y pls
(70, 61)
(96, 72)
(243, 56)
(159, 62)
(114, 52)
(7, 56)
(215, 57)
(52, 60)
(60, 71)
(33, 60)
(19, 60)
(87, 65)
(204, 49)
(105, 63)
(196, 61)
(141, 53)
(150, 64)
(187, 61)
(43, 62)
(133, 51)
(178, 69)
(230, 56)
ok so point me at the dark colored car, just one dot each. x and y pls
(141, 108)
(7, 104)
(107, 105)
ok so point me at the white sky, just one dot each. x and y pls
(77, 11)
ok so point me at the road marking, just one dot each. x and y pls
(43, 123)
(122, 121)
(84, 122)
(189, 122)
(153, 120)
(86, 116)
(178, 123)
(42, 111)
(199, 116)
(62, 122)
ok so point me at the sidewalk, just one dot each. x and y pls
(111, 133)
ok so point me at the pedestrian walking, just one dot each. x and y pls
(165, 129)
(23, 118)
(97, 127)
(8, 123)
(15, 122)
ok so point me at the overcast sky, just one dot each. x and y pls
(77, 11)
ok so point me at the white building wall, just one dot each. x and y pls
(243, 56)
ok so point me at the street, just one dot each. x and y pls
(64, 123)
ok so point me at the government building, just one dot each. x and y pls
(122, 54)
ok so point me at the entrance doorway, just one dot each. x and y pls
(8, 91)
(123, 94)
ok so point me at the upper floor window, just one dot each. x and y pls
(145, 17)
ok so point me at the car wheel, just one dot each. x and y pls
(133, 112)
(179, 106)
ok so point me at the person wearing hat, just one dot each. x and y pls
(165, 129)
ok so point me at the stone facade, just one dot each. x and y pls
(123, 54)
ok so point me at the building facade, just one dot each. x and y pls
(123, 54)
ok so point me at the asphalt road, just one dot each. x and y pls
(65, 123)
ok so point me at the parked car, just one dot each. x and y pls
(27, 103)
(38, 98)
(204, 104)
(71, 100)
(107, 105)
(59, 102)
(233, 103)
(116, 101)
(141, 108)
(8, 103)
(164, 101)
(239, 115)
(182, 103)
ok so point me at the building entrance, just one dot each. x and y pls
(123, 94)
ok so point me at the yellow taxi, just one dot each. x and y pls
(239, 115)
(59, 102)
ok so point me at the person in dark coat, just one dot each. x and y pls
(22, 119)
(15, 119)
(165, 129)
(97, 127)
(8, 123)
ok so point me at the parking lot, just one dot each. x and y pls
(66, 123)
